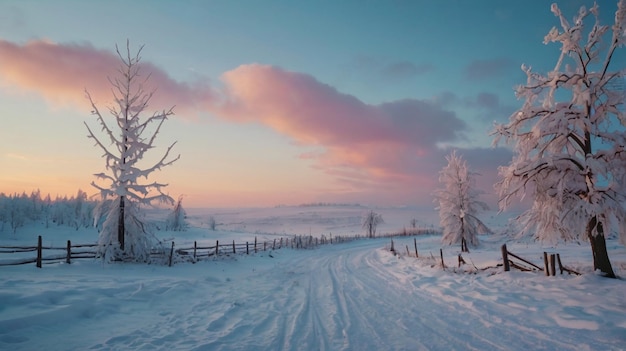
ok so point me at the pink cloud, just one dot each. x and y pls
(392, 143)
(391, 148)
(61, 73)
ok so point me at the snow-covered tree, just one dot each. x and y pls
(177, 219)
(370, 222)
(458, 204)
(212, 223)
(569, 138)
(123, 234)
(19, 211)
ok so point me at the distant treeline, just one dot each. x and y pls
(16, 210)
(329, 204)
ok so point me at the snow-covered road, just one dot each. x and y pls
(354, 296)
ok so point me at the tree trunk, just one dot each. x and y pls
(463, 240)
(598, 248)
(120, 224)
(464, 245)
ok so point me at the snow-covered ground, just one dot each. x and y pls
(350, 296)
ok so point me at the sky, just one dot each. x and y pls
(275, 102)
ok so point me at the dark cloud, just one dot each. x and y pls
(390, 70)
(405, 69)
(487, 69)
(487, 105)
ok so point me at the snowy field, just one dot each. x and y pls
(350, 296)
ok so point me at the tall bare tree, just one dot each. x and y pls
(130, 135)
(370, 222)
(569, 138)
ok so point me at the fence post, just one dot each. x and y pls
(255, 244)
(247, 249)
(195, 247)
(264, 245)
(545, 263)
(274, 245)
(217, 248)
(558, 259)
(505, 258)
(415, 244)
(171, 254)
(443, 264)
(38, 264)
(68, 258)
(234, 250)
(552, 264)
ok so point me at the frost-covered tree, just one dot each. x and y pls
(458, 204)
(177, 219)
(212, 223)
(19, 211)
(370, 222)
(123, 234)
(569, 138)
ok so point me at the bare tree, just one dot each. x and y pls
(569, 154)
(371, 220)
(123, 234)
(458, 204)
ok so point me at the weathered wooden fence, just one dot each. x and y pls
(84, 251)
(66, 253)
(193, 253)
(549, 259)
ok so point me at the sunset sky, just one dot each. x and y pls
(276, 102)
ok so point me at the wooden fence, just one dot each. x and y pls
(194, 253)
(72, 252)
(549, 260)
(67, 253)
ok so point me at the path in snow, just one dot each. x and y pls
(353, 296)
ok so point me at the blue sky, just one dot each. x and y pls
(333, 101)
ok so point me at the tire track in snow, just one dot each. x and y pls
(350, 302)
(353, 301)
(352, 296)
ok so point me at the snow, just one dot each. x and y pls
(350, 296)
